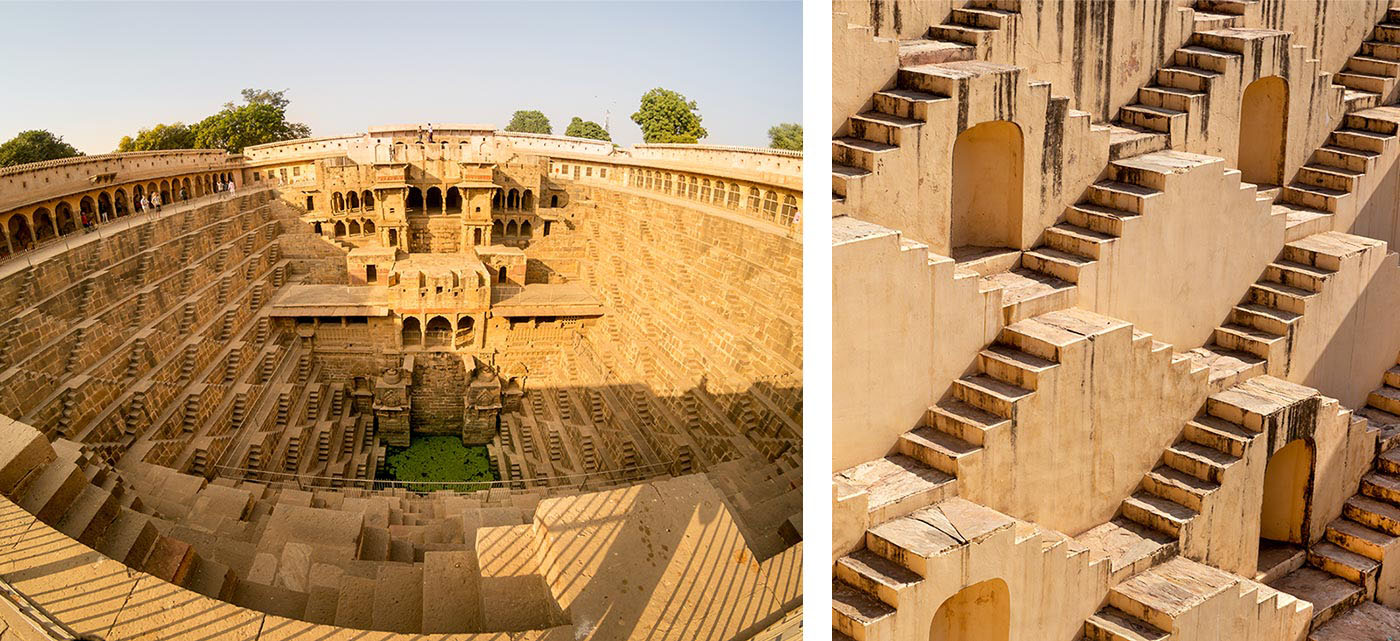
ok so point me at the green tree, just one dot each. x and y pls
(580, 128)
(666, 116)
(33, 146)
(162, 136)
(787, 135)
(262, 119)
(530, 122)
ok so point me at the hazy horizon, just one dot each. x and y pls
(120, 67)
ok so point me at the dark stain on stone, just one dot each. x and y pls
(1052, 157)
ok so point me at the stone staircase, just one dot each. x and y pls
(1172, 598)
(969, 34)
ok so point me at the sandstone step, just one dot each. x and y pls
(1080, 241)
(1055, 263)
(1280, 296)
(875, 575)
(170, 559)
(1178, 487)
(1297, 275)
(985, 17)
(960, 33)
(963, 420)
(1312, 196)
(989, 394)
(1218, 434)
(933, 531)
(857, 152)
(1337, 178)
(1163, 593)
(89, 515)
(925, 51)
(1381, 50)
(128, 538)
(1354, 79)
(1330, 595)
(1358, 538)
(1385, 398)
(1161, 119)
(1192, 78)
(1129, 141)
(883, 128)
(1098, 219)
(1121, 195)
(1204, 463)
(897, 485)
(1389, 462)
(1171, 98)
(909, 103)
(1025, 294)
(1013, 366)
(1157, 513)
(1264, 318)
(1358, 139)
(855, 613)
(1379, 485)
(53, 491)
(936, 449)
(1196, 56)
(1328, 250)
(1392, 377)
(1207, 21)
(1359, 160)
(1351, 566)
(1231, 7)
(1375, 514)
(1265, 345)
(1373, 66)
(1112, 624)
(1227, 367)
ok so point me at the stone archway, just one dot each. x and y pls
(1263, 131)
(978, 612)
(985, 207)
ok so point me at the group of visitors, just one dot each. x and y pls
(150, 203)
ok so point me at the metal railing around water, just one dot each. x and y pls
(581, 482)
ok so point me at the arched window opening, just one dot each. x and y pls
(511, 229)
(310, 203)
(185, 185)
(705, 190)
(525, 229)
(733, 196)
(454, 200)
(986, 195)
(770, 205)
(339, 229)
(476, 236)
(43, 225)
(466, 330)
(20, 235)
(497, 229)
(119, 204)
(371, 274)
(104, 205)
(352, 200)
(789, 210)
(434, 200)
(527, 200)
(439, 333)
(412, 332)
(1263, 131)
(553, 201)
(978, 612)
(694, 190)
(367, 200)
(1283, 515)
(754, 205)
(546, 228)
(354, 228)
(513, 199)
(501, 274)
(666, 183)
(369, 227)
(414, 203)
(317, 228)
(65, 219)
(337, 202)
(393, 238)
(496, 201)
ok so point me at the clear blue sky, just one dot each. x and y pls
(93, 72)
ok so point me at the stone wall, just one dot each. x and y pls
(438, 393)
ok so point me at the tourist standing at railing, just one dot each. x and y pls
(183, 194)
(155, 200)
(87, 222)
(145, 204)
(230, 186)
